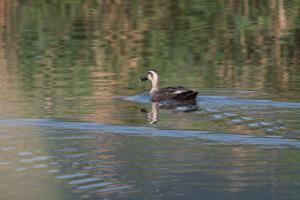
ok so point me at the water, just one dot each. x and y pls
(75, 122)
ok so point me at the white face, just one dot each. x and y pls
(152, 76)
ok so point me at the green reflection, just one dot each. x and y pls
(71, 58)
(75, 59)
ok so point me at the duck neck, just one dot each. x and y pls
(155, 87)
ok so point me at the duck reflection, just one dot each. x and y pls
(153, 115)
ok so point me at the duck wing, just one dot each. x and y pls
(173, 90)
(177, 93)
(189, 95)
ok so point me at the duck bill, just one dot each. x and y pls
(144, 78)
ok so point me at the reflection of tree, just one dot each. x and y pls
(248, 44)
(7, 87)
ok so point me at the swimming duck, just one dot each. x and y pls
(177, 93)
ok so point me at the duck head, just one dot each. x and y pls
(152, 76)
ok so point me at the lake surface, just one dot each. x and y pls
(76, 123)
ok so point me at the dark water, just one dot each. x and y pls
(75, 122)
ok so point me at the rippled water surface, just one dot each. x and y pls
(75, 122)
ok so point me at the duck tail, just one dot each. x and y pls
(192, 95)
(189, 95)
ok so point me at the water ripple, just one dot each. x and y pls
(147, 131)
(224, 101)
(69, 176)
(96, 185)
(109, 189)
(85, 180)
(24, 153)
(37, 158)
(235, 101)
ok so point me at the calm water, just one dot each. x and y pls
(75, 122)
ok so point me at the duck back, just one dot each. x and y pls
(177, 93)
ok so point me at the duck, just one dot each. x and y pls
(178, 93)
